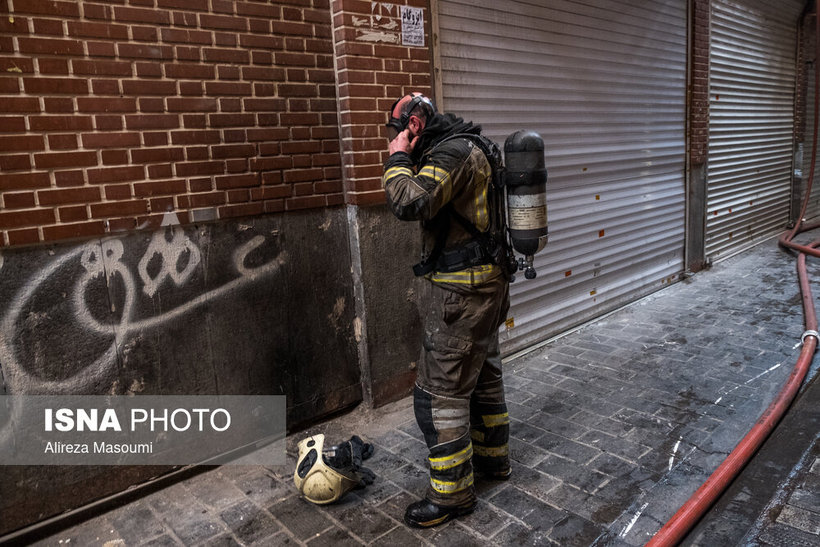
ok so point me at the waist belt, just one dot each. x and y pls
(470, 254)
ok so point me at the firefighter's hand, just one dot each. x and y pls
(402, 143)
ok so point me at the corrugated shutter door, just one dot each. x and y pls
(751, 122)
(604, 83)
(813, 209)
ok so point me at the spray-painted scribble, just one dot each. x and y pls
(169, 253)
(104, 261)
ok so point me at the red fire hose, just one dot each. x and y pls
(679, 525)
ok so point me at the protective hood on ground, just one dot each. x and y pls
(324, 475)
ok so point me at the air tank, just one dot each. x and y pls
(525, 180)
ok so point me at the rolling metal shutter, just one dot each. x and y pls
(604, 83)
(813, 209)
(752, 78)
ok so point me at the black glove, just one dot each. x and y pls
(349, 456)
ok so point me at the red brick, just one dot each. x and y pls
(105, 104)
(69, 231)
(231, 120)
(156, 155)
(244, 210)
(152, 121)
(108, 123)
(162, 171)
(223, 22)
(59, 123)
(259, 10)
(48, 7)
(141, 15)
(26, 236)
(105, 87)
(48, 27)
(145, 51)
(66, 179)
(186, 36)
(84, 194)
(194, 137)
(98, 68)
(18, 105)
(227, 88)
(59, 104)
(60, 141)
(235, 56)
(270, 42)
(110, 140)
(151, 138)
(233, 151)
(65, 159)
(119, 208)
(195, 5)
(101, 49)
(23, 181)
(189, 169)
(191, 104)
(18, 200)
(73, 213)
(50, 46)
(306, 202)
(30, 217)
(145, 34)
(21, 143)
(115, 174)
(114, 157)
(160, 188)
(85, 29)
(236, 181)
(16, 65)
(292, 28)
(52, 66)
(118, 192)
(190, 89)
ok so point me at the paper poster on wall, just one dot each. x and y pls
(412, 26)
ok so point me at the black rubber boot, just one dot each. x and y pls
(426, 514)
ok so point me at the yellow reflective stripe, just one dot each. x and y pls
(493, 420)
(439, 176)
(396, 171)
(479, 274)
(453, 460)
(481, 213)
(449, 487)
(492, 451)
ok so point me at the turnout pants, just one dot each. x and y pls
(459, 393)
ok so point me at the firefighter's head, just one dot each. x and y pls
(410, 112)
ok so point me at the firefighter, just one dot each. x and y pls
(438, 173)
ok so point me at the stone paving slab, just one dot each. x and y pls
(613, 427)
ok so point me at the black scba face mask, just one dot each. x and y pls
(397, 125)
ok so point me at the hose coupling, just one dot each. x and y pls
(810, 333)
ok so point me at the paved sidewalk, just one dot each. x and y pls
(613, 427)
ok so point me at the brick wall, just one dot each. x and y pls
(114, 112)
(699, 82)
(374, 69)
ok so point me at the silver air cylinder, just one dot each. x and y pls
(525, 180)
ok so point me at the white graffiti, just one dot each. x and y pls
(104, 260)
(170, 252)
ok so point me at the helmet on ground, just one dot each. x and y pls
(317, 481)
